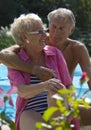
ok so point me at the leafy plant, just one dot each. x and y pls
(4, 97)
(68, 111)
(5, 38)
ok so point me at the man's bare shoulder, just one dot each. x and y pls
(75, 42)
(77, 48)
(76, 45)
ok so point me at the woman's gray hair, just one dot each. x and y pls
(24, 24)
(62, 13)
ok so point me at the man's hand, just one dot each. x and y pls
(43, 73)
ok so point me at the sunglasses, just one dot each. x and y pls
(37, 32)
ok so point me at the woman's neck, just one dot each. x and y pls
(36, 57)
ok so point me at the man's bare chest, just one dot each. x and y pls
(70, 60)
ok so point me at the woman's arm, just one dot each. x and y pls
(29, 91)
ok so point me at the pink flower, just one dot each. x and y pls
(1, 90)
(84, 78)
(7, 96)
(12, 90)
(1, 102)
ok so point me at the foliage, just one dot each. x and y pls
(9, 9)
(5, 39)
(67, 111)
(4, 97)
(82, 13)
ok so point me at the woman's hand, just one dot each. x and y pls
(54, 85)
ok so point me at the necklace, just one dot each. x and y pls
(65, 46)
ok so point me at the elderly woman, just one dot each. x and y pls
(29, 34)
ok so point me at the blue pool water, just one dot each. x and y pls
(4, 83)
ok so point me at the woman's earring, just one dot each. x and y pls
(27, 41)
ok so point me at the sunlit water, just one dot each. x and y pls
(4, 83)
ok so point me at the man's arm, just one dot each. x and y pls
(9, 58)
(84, 61)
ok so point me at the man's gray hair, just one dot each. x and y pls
(62, 13)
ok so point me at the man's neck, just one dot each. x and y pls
(60, 45)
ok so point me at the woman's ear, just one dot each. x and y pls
(23, 37)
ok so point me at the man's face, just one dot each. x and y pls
(59, 30)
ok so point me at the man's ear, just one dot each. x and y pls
(71, 31)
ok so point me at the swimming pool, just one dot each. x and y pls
(4, 83)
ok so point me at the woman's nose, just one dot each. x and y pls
(44, 35)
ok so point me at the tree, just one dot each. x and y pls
(9, 9)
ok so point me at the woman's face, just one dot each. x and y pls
(37, 38)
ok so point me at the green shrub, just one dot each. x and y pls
(5, 38)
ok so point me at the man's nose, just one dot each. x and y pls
(56, 31)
